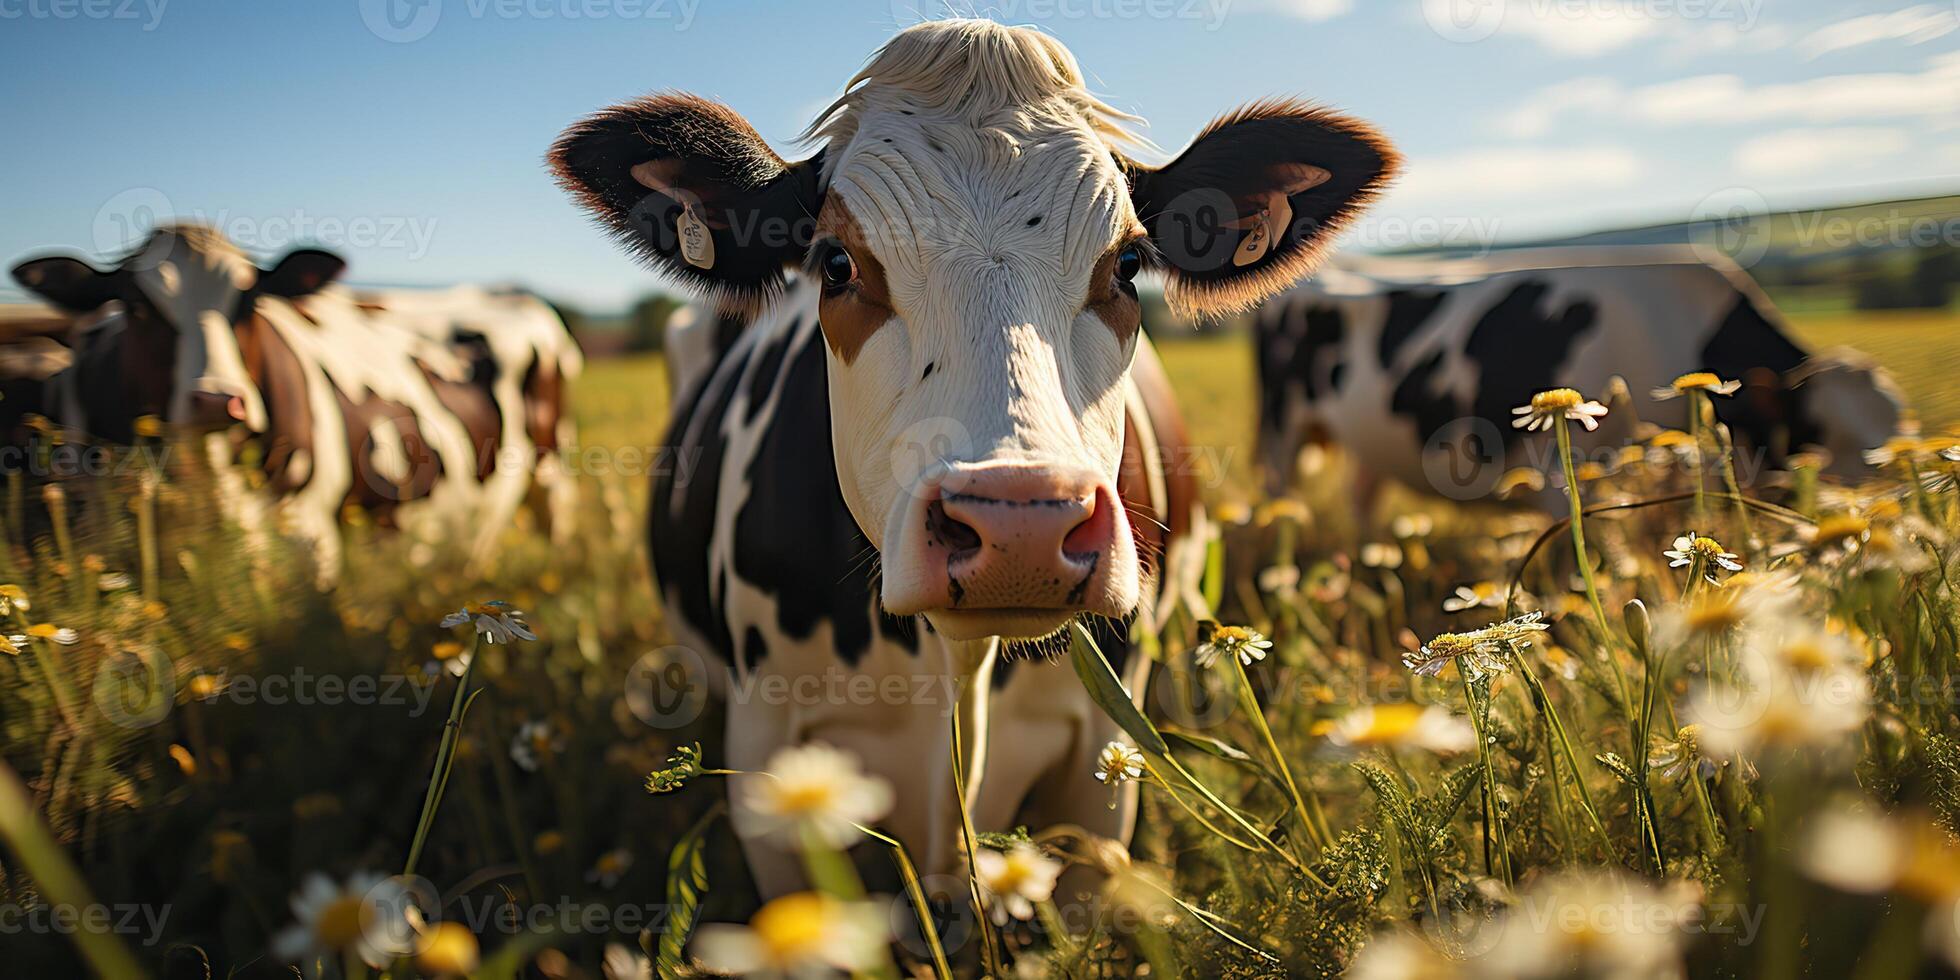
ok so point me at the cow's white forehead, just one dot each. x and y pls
(957, 133)
(1037, 186)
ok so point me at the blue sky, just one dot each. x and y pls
(413, 143)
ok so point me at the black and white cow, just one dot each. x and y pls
(947, 434)
(347, 403)
(1412, 366)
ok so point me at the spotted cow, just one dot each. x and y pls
(341, 403)
(944, 439)
(1413, 366)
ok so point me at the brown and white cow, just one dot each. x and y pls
(913, 458)
(347, 405)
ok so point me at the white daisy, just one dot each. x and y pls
(1691, 546)
(1401, 725)
(1119, 763)
(1239, 641)
(1697, 381)
(366, 916)
(495, 621)
(800, 935)
(534, 742)
(814, 786)
(1484, 594)
(1547, 407)
(1015, 880)
(610, 867)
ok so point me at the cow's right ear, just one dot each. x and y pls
(301, 273)
(687, 185)
(68, 283)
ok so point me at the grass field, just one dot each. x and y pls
(1446, 822)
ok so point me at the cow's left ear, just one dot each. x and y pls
(687, 185)
(301, 272)
(1254, 203)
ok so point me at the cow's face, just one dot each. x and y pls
(182, 296)
(975, 237)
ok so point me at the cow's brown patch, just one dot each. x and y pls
(372, 491)
(544, 404)
(1113, 301)
(473, 406)
(849, 316)
(276, 371)
(1154, 527)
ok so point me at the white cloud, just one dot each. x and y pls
(1472, 177)
(1825, 152)
(1535, 117)
(1913, 25)
(1309, 10)
(1932, 97)
(1578, 30)
(1831, 98)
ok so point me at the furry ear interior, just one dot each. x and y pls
(1257, 199)
(301, 272)
(68, 283)
(688, 186)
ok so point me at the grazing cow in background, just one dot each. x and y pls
(945, 438)
(518, 347)
(1413, 366)
(346, 406)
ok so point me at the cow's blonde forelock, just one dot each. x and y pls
(974, 71)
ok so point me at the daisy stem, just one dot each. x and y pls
(1585, 565)
(1494, 837)
(1309, 809)
(916, 892)
(1694, 436)
(1543, 699)
(989, 954)
(451, 732)
(1735, 489)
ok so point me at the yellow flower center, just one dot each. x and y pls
(339, 924)
(1696, 379)
(611, 863)
(1806, 656)
(43, 631)
(1839, 527)
(1231, 635)
(1391, 723)
(792, 926)
(1707, 547)
(1714, 612)
(451, 950)
(1557, 399)
(448, 649)
(1450, 645)
(804, 797)
(1014, 873)
(1671, 438)
(483, 609)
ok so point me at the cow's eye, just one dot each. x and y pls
(835, 265)
(1128, 263)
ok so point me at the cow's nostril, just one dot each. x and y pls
(956, 535)
(1093, 534)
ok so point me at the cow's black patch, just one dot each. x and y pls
(794, 538)
(681, 519)
(763, 378)
(754, 647)
(1417, 398)
(1518, 349)
(1766, 413)
(1408, 311)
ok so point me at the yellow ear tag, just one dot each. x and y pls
(1273, 220)
(697, 243)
